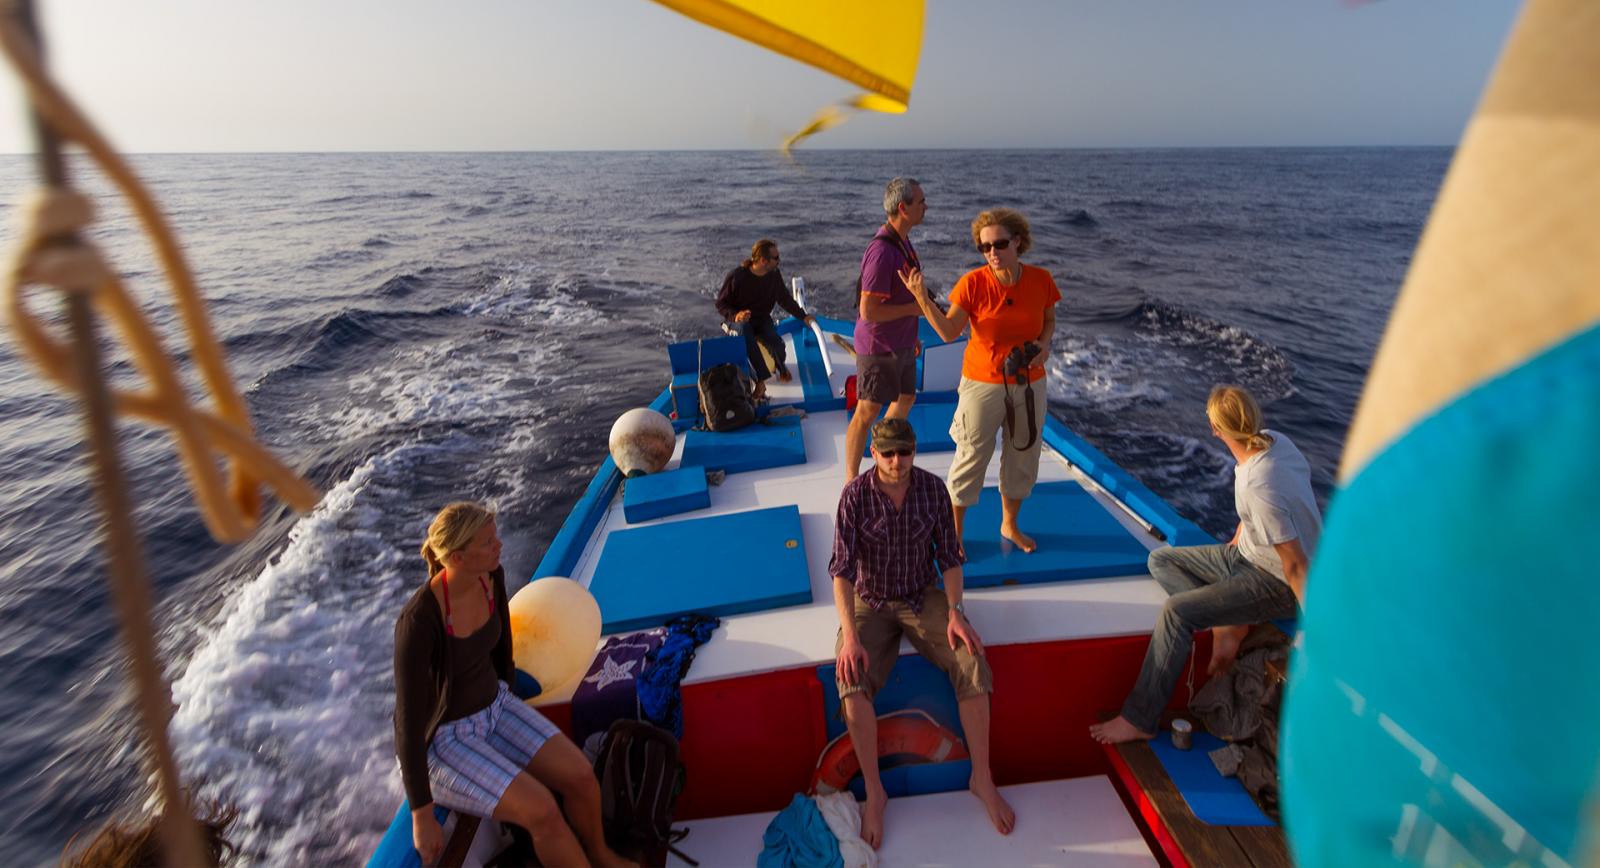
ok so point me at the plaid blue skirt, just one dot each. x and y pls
(473, 760)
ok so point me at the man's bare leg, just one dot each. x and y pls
(901, 407)
(855, 436)
(1225, 642)
(1008, 525)
(861, 719)
(961, 516)
(974, 712)
(1118, 730)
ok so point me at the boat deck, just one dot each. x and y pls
(1078, 822)
(757, 642)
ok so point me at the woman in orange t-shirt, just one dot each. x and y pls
(1008, 307)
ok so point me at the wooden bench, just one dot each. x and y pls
(1176, 837)
(1173, 831)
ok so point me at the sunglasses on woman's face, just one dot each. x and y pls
(773, 258)
(984, 246)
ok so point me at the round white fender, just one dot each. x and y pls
(555, 629)
(642, 441)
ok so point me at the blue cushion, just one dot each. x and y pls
(1077, 539)
(718, 565)
(667, 493)
(1211, 797)
(776, 443)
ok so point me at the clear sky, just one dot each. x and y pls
(419, 75)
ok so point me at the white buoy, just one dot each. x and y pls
(555, 629)
(642, 441)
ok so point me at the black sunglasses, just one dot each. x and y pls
(983, 246)
(773, 258)
(896, 453)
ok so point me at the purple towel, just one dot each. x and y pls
(608, 692)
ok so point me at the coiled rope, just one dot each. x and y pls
(53, 254)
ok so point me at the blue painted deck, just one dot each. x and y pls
(1077, 539)
(778, 443)
(718, 565)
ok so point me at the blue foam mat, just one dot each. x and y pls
(931, 421)
(1212, 798)
(778, 443)
(1077, 539)
(718, 565)
(669, 492)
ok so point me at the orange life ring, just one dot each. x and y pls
(911, 732)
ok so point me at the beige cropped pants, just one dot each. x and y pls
(980, 413)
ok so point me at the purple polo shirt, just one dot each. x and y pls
(880, 275)
(892, 554)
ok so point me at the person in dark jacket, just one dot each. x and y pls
(462, 738)
(746, 299)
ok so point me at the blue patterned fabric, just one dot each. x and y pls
(1444, 708)
(659, 698)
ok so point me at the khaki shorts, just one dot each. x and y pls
(980, 414)
(883, 379)
(880, 633)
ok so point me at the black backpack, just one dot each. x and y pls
(725, 398)
(640, 779)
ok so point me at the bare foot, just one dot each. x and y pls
(784, 376)
(1118, 730)
(872, 820)
(1020, 539)
(1225, 642)
(1000, 813)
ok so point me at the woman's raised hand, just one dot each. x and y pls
(912, 278)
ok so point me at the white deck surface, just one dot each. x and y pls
(800, 635)
(1079, 822)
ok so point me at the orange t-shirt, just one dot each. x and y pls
(1002, 317)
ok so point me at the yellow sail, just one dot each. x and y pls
(874, 45)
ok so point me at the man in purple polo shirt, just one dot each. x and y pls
(886, 324)
(895, 533)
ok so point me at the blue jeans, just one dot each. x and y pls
(761, 332)
(1208, 586)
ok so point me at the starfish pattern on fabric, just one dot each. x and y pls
(611, 672)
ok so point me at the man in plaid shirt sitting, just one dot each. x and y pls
(895, 534)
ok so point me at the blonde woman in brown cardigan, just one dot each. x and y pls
(463, 739)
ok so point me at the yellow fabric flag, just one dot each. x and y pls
(875, 45)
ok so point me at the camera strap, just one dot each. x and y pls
(1033, 419)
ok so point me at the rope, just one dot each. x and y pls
(53, 254)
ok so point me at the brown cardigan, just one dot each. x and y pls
(421, 689)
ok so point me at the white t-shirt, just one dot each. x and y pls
(1272, 492)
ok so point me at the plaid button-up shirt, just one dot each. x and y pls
(892, 554)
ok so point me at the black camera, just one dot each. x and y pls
(1018, 360)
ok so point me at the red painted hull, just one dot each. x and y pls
(751, 743)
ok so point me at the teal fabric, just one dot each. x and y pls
(1445, 705)
(798, 837)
